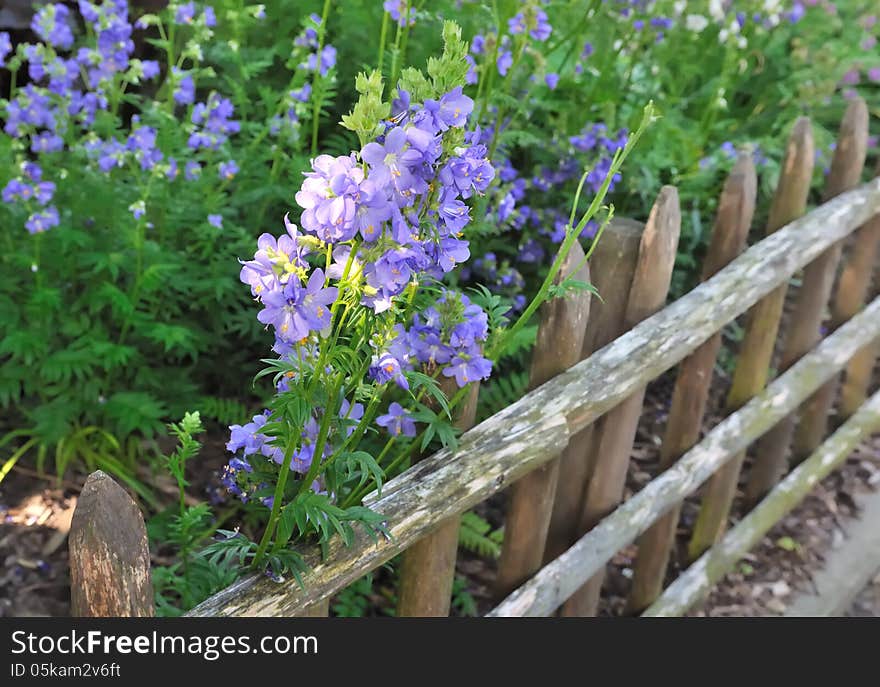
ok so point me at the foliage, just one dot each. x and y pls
(148, 156)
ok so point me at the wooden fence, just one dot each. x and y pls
(563, 450)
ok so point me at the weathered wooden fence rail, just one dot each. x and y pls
(547, 433)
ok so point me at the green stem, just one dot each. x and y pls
(571, 237)
(383, 36)
(316, 106)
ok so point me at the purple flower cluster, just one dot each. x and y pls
(249, 440)
(385, 218)
(403, 182)
(213, 123)
(322, 60)
(448, 335)
(31, 190)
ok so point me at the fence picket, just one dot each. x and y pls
(762, 327)
(559, 344)
(548, 589)
(805, 331)
(613, 266)
(846, 174)
(428, 568)
(614, 442)
(859, 372)
(697, 580)
(735, 210)
(109, 556)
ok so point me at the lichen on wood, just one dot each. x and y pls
(692, 585)
(555, 582)
(735, 210)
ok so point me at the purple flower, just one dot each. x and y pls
(228, 170)
(51, 24)
(451, 111)
(150, 69)
(850, 77)
(874, 74)
(395, 9)
(454, 213)
(209, 17)
(16, 190)
(185, 13)
(42, 220)
(44, 192)
(185, 88)
(386, 368)
(5, 47)
(468, 367)
(302, 94)
(296, 310)
(517, 24)
(542, 29)
(552, 80)
(46, 142)
(397, 421)
(504, 62)
(216, 221)
(328, 197)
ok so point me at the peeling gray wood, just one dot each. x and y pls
(535, 428)
(547, 590)
(109, 557)
(697, 580)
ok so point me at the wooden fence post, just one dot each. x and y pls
(852, 292)
(735, 210)
(109, 556)
(762, 327)
(812, 298)
(852, 148)
(614, 443)
(559, 344)
(857, 377)
(612, 267)
(428, 568)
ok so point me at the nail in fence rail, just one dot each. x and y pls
(613, 265)
(735, 210)
(812, 299)
(558, 580)
(614, 441)
(558, 346)
(536, 428)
